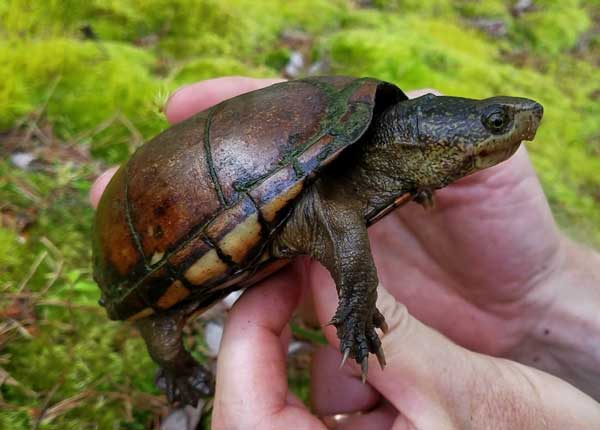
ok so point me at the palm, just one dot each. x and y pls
(475, 260)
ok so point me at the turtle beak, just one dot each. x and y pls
(534, 113)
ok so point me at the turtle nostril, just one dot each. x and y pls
(538, 111)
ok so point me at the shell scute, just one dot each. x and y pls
(170, 189)
(236, 231)
(252, 135)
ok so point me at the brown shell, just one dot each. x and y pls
(190, 215)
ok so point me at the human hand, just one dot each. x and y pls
(429, 383)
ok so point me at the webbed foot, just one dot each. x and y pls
(185, 385)
(358, 338)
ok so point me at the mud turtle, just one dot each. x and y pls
(223, 199)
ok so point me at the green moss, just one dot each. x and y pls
(207, 68)
(94, 356)
(11, 255)
(554, 27)
(423, 7)
(82, 85)
(415, 53)
(493, 9)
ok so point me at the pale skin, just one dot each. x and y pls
(487, 267)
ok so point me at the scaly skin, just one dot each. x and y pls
(414, 147)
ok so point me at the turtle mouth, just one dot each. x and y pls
(491, 157)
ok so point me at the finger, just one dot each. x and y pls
(383, 417)
(199, 96)
(418, 357)
(252, 387)
(100, 184)
(286, 337)
(334, 391)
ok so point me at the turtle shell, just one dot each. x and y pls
(191, 214)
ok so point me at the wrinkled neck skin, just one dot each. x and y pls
(389, 161)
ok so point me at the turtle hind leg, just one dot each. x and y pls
(181, 377)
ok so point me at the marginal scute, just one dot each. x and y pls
(156, 257)
(189, 253)
(235, 280)
(264, 270)
(207, 267)
(141, 314)
(266, 193)
(312, 157)
(240, 241)
(229, 219)
(271, 209)
(174, 294)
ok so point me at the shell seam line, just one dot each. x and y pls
(264, 225)
(129, 218)
(173, 273)
(209, 159)
(226, 258)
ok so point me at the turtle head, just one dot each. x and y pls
(454, 136)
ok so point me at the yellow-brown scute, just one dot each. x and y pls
(174, 294)
(146, 312)
(205, 268)
(273, 207)
(242, 239)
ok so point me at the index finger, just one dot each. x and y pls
(252, 389)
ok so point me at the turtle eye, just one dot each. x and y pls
(496, 121)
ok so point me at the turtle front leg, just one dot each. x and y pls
(180, 376)
(334, 233)
(357, 316)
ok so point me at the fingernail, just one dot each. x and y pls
(172, 96)
(100, 184)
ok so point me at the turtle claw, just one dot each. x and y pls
(359, 339)
(345, 357)
(364, 370)
(169, 386)
(379, 321)
(380, 357)
(187, 386)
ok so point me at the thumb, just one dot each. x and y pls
(421, 363)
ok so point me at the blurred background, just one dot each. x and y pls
(82, 85)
